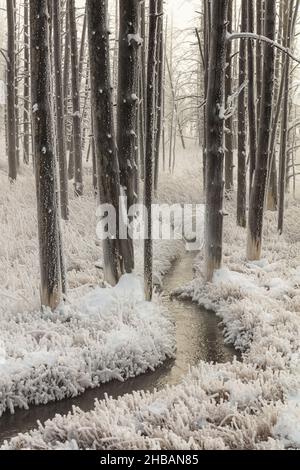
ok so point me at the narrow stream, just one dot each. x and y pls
(198, 336)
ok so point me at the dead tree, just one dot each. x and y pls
(150, 113)
(242, 134)
(159, 91)
(215, 140)
(103, 124)
(256, 209)
(26, 113)
(251, 96)
(60, 116)
(44, 157)
(229, 123)
(78, 177)
(289, 5)
(11, 110)
(129, 44)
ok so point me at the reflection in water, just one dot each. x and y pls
(198, 338)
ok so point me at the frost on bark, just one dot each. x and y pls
(26, 113)
(44, 157)
(60, 116)
(242, 137)
(251, 96)
(229, 123)
(289, 4)
(149, 158)
(103, 123)
(159, 90)
(11, 110)
(129, 44)
(256, 209)
(78, 177)
(215, 140)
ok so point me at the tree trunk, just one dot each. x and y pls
(76, 102)
(256, 210)
(11, 110)
(26, 114)
(251, 96)
(159, 91)
(129, 43)
(45, 164)
(215, 140)
(289, 4)
(103, 123)
(60, 117)
(148, 247)
(229, 123)
(242, 134)
(259, 46)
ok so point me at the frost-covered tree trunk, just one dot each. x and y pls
(289, 5)
(215, 139)
(60, 116)
(256, 209)
(159, 90)
(16, 87)
(103, 124)
(251, 96)
(26, 113)
(11, 110)
(78, 176)
(229, 123)
(44, 156)
(259, 31)
(150, 114)
(129, 44)
(242, 134)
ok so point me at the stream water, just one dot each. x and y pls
(198, 337)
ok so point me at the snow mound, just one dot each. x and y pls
(46, 357)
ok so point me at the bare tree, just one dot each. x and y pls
(45, 163)
(215, 140)
(60, 116)
(242, 134)
(129, 44)
(76, 100)
(256, 209)
(26, 114)
(289, 5)
(150, 116)
(229, 123)
(251, 96)
(103, 123)
(11, 110)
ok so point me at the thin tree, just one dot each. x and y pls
(103, 124)
(45, 162)
(78, 177)
(60, 116)
(159, 90)
(229, 123)
(11, 110)
(256, 209)
(242, 134)
(215, 139)
(129, 44)
(150, 114)
(251, 96)
(289, 5)
(26, 113)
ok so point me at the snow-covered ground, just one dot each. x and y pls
(249, 405)
(100, 334)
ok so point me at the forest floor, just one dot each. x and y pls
(254, 404)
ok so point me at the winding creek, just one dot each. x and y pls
(198, 336)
